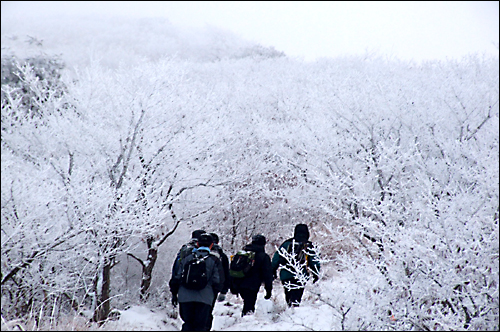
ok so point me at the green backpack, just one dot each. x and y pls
(241, 263)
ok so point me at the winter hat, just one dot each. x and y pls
(259, 239)
(205, 240)
(301, 233)
(196, 234)
(215, 237)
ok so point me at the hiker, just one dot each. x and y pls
(194, 288)
(223, 270)
(260, 272)
(187, 248)
(301, 249)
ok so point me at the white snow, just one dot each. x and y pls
(270, 315)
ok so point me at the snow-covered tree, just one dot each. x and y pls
(402, 156)
(401, 161)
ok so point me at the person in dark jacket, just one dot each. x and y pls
(195, 306)
(217, 249)
(261, 272)
(187, 248)
(223, 270)
(294, 281)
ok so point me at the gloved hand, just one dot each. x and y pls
(268, 295)
(275, 274)
(175, 301)
(221, 297)
(315, 278)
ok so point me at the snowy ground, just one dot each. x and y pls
(270, 315)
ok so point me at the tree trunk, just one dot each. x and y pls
(147, 269)
(102, 309)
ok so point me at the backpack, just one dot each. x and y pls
(241, 263)
(186, 250)
(298, 251)
(194, 274)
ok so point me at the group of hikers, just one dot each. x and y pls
(203, 274)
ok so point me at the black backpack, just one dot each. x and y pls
(194, 274)
(241, 263)
(186, 250)
(299, 251)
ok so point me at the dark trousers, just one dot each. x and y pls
(195, 315)
(211, 318)
(293, 296)
(249, 298)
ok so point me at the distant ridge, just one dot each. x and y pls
(126, 41)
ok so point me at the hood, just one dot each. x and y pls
(202, 250)
(301, 233)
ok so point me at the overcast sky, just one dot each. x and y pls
(312, 29)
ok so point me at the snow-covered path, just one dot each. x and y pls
(270, 315)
